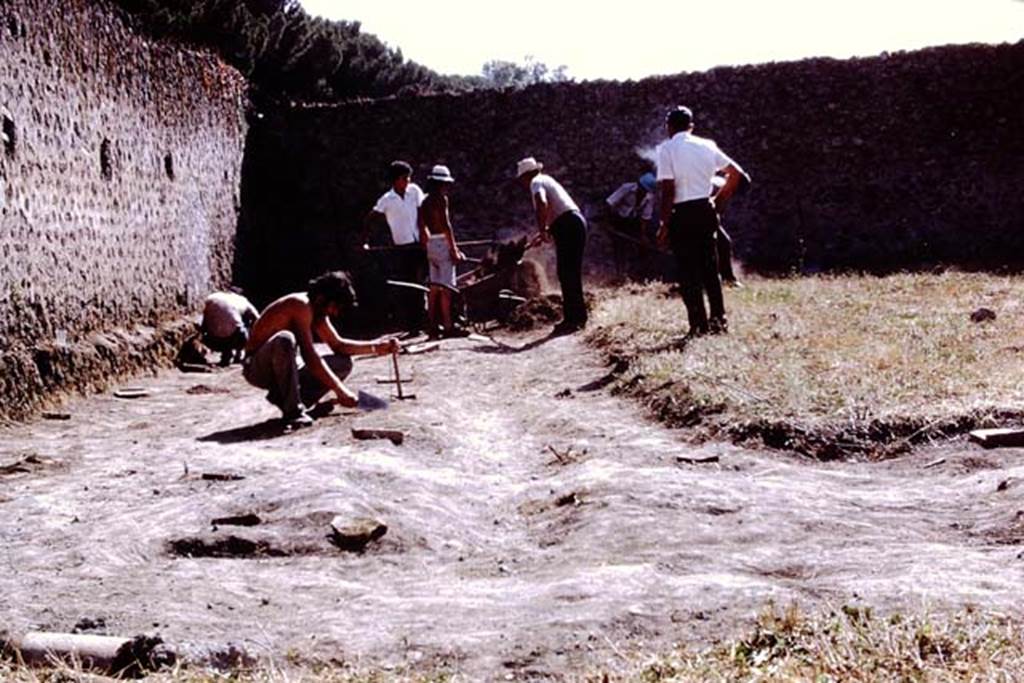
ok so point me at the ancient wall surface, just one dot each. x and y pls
(891, 162)
(119, 178)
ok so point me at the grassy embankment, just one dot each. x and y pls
(785, 645)
(829, 366)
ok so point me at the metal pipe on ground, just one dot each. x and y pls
(111, 655)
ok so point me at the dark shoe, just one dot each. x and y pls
(298, 420)
(322, 409)
(566, 327)
(456, 332)
(718, 326)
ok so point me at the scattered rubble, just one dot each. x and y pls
(355, 535)
(396, 437)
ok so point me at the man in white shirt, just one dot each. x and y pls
(688, 220)
(227, 319)
(559, 217)
(399, 208)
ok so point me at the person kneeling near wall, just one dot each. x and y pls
(287, 326)
(227, 319)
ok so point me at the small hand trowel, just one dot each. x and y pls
(368, 402)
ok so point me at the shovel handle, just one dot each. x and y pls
(398, 377)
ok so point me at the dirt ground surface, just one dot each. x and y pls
(537, 525)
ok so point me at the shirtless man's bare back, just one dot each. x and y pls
(288, 326)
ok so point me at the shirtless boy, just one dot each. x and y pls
(288, 326)
(442, 253)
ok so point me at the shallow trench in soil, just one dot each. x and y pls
(536, 525)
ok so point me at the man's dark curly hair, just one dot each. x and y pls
(398, 169)
(333, 287)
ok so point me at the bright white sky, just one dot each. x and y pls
(621, 40)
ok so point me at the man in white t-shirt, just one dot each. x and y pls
(687, 165)
(559, 217)
(399, 208)
(227, 319)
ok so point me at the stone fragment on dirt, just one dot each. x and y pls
(89, 624)
(997, 438)
(697, 459)
(572, 498)
(396, 437)
(354, 535)
(26, 464)
(249, 519)
(982, 315)
(423, 347)
(934, 463)
(1005, 484)
(205, 389)
(131, 392)
(217, 476)
(56, 416)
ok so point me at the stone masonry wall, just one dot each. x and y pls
(119, 174)
(899, 161)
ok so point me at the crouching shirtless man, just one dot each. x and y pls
(288, 326)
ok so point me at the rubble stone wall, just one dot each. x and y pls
(120, 171)
(905, 160)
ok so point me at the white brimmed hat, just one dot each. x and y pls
(527, 165)
(441, 174)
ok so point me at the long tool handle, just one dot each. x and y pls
(398, 377)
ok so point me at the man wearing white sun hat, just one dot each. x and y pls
(558, 216)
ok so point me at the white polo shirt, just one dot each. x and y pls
(402, 213)
(551, 191)
(690, 161)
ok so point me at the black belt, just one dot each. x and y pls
(692, 202)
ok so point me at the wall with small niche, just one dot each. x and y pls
(119, 177)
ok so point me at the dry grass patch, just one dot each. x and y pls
(831, 366)
(852, 644)
(265, 672)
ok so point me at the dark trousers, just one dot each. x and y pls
(570, 233)
(275, 367)
(408, 263)
(692, 231)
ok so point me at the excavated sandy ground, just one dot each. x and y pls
(532, 531)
